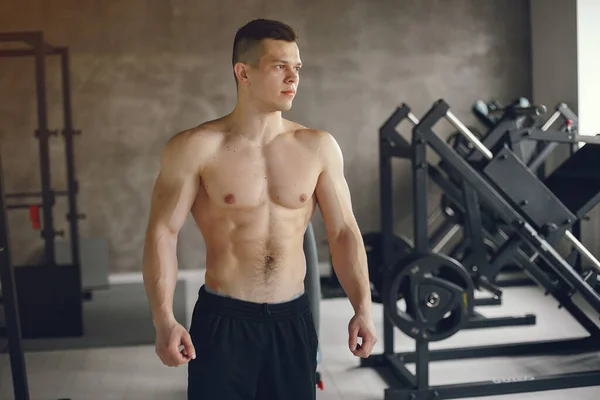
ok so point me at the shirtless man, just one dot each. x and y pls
(252, 181)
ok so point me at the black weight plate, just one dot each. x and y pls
(435, 280)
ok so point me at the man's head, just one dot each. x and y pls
(266, 62)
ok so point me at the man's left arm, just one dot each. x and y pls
(347, 249)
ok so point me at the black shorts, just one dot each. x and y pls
(252, 351)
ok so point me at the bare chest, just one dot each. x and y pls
(249, 178)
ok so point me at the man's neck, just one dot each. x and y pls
(255, 124)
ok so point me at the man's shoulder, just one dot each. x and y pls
(312, 135)
(320, 140)
(193, 145)
(204, 137)
(198, 135)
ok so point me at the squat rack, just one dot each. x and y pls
(17, 281)
(40, 49)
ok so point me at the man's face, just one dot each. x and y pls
(274, 81)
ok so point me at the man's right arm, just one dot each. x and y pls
(173, 194)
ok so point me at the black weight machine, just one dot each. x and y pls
(438, 291)
(50, 294)
(474, 251)
(393, 145)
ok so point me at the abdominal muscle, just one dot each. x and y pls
(254, 254)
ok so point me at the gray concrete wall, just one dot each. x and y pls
(143, 70)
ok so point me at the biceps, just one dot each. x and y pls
(333, 196)
(171, 202)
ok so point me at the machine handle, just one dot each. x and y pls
(551, 120)
(412, 118)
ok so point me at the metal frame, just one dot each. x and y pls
(394, 145)
(11, 309)
(39, 49)
(404, 384)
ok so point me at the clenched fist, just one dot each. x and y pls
(170, 335)
(361, 326)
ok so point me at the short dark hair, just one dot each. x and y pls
(248, 39)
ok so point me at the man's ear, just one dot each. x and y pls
(241, 72)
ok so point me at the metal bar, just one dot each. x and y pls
(11, 308)
(20, 195)
(44, 148)
(21, 206)
(446, 238)
(567, 113)
(583, 250)
(401, 372)
(565, 299)
(434, 216)
(534, 272)
(387, 227)
(72, 188)
(24, 36)
(413, 118)
(422, 363)
(488, 301)
(399, 152)
(506, 252)
(469, 135)
(420, 189)
(492, 138)
(564, 269)
(538, 160)
(522, 349)
(551, 120)
(481, 322)
(32, 38)
(555, 136)
(473, 228)
(14, 53)
(388, 132)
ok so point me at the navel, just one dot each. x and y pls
(230, 199)
(302, 197)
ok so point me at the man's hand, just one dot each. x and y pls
(169, 336)
(361, 325)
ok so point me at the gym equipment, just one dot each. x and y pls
(312, 283)
(577, 194)
(527, 228)
(50, 294)
(457, 196)
(490, 113)
(12, 307)
(438, 296)
(394, 145)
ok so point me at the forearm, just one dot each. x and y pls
(350, 265)
(160, 273)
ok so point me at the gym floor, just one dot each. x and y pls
(136, 373)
